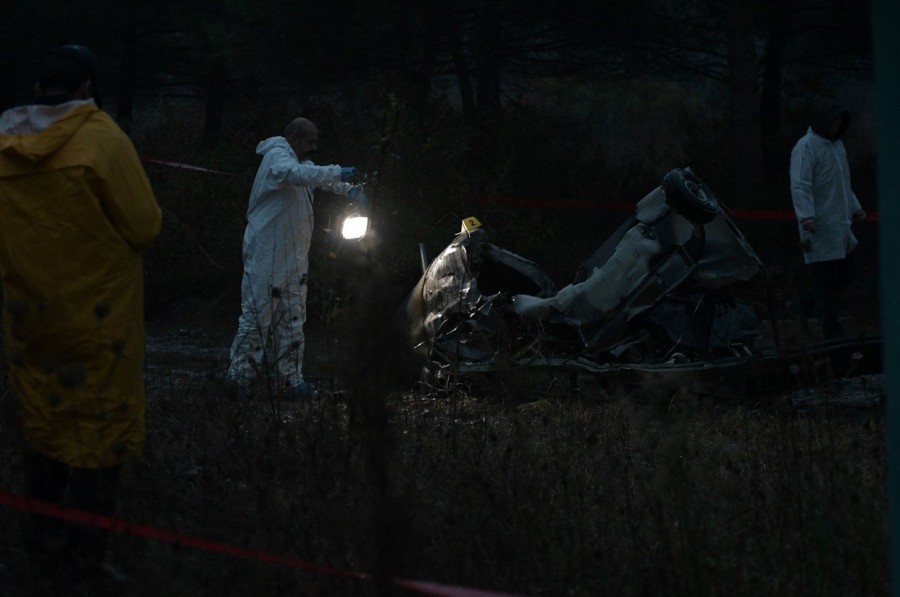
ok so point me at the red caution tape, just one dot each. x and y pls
(430, 588)
(750, 214)
(118, 525)
(185, 166)
(762, 214)
(559, 203)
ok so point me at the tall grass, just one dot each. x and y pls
(649, 493)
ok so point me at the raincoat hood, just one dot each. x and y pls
(30, 134)
(823, 112)
(271, 143)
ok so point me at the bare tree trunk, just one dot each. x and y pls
(418, 28)
(770, 100)
(488, 48)
(749, 173)
(460, 64)
(215, 103)
(127, 76)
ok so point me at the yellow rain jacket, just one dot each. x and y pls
(76, 211)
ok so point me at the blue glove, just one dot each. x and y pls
(358, 196)
(349, 174)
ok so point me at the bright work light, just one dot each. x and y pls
(354, 227)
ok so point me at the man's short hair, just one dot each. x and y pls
(297, 126)
(66, 68)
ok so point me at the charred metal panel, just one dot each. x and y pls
(660, 286)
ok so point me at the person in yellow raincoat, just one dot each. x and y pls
(76, 213)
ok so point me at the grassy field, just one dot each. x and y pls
(654, 492)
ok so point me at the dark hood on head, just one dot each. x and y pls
(823, 112)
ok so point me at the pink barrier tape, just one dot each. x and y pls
(24, 504)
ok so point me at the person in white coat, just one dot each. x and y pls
(826, 207)
(269, 344)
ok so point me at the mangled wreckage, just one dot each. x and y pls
(659, 290)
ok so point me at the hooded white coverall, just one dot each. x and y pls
(276, 262)
(820, 189)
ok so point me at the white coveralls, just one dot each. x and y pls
(820, 189)
(276, 261)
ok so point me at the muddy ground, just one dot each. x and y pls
(186, 354)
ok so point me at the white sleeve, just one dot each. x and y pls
(287, 170)
(801, 181)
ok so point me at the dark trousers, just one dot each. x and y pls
(830, 278)
(61, 553)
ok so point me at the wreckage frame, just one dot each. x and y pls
(661, 293)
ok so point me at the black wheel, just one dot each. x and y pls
(689, 196)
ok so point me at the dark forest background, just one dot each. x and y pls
(455, 104)
(657, 487)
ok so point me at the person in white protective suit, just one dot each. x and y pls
(826, 207)
(269, 343)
